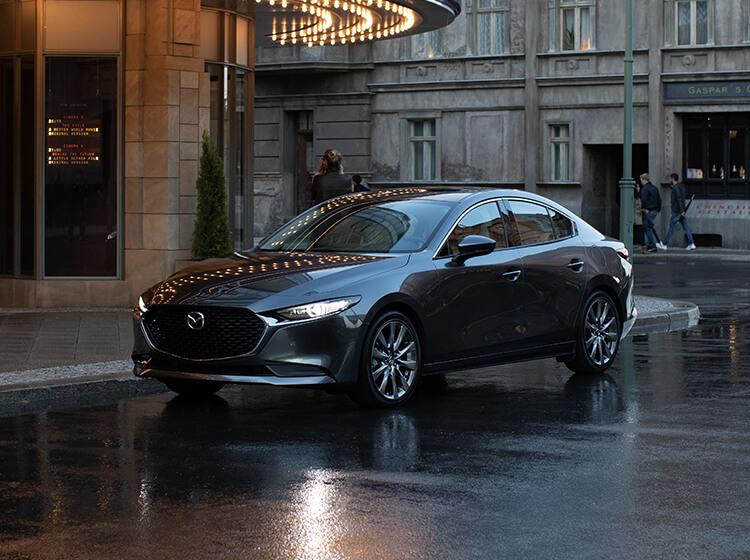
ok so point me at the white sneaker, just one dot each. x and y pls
(691, 247)
(661, 246)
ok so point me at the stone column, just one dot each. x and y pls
(166, 108)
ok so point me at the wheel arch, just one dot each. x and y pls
(606, 284)
(394, 302)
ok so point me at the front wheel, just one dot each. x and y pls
(391, 362)
(598, 337)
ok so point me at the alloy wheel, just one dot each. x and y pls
(602, 332)
(394, 359)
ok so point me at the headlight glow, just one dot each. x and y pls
(318, 309)
(142, 304)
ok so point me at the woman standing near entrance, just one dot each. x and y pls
(330, 180)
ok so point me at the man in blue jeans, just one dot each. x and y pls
(651, 201)
(678, 213)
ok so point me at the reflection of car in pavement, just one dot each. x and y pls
(357, 294)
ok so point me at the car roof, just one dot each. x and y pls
(455, 195)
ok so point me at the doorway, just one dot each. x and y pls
(600, 187)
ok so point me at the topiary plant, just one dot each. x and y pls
(211, 235)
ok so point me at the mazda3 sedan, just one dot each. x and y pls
(368, 292)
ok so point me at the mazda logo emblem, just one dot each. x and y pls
(196, 320)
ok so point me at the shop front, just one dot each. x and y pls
(710, 150)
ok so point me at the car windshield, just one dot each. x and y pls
(363, 225)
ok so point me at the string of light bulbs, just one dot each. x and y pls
(331, 22)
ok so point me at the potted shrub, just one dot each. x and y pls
(211, 235)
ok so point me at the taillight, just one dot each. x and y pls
(623, 252)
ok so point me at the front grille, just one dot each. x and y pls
(227, 332)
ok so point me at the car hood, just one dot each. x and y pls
(259, 275)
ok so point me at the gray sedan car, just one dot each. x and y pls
(368, 292)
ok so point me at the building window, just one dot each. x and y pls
(423, 141)
(492, 25)
(716, 155)
(560, 150)
(576, 25)
(691, 22)
(80, 187)
(17, 166)
(425, 45)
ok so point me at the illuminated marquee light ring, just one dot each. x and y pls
(320, 22)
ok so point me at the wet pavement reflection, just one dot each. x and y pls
(519, 461)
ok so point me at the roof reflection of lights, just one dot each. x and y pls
(315, 22)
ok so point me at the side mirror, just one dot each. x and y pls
(473, 246)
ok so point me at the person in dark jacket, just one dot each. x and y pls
(651, 202)
(330, 180)
(357, 185)
(678, 213)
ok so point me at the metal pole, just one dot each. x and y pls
(627, 184)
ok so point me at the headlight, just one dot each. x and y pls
(318, 309)
(142, 304)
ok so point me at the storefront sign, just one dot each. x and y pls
(708, 91)
(714, 209)
(74, 141)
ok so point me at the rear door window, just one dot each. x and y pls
(533, 223)
(563, 225)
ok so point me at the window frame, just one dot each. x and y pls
(557, 24)
(671, 14)
(693, 23)
(425, 45)
(497, 7)
(555, 144)
(410, 140)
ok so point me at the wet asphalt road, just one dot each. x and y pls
(520, 461)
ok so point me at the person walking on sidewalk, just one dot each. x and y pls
(651, 201)
(678, 213)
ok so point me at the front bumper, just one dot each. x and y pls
(301, 381)
(304, 353)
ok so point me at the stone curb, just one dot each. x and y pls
(90, 391)
(669, 316)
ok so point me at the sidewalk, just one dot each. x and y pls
(700, 253)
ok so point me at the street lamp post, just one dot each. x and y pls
(627, 184)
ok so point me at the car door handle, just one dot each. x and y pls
(512, 275)
(575, 266)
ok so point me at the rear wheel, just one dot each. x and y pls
(598, 336)
(192, 388)
(391, 362)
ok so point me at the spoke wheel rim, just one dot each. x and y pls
(393, 359)
(602, 332)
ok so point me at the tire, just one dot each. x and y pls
(192, 388)
(598, 336)
(391, 362)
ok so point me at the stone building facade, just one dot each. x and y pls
(103, 105)
(524, 94)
